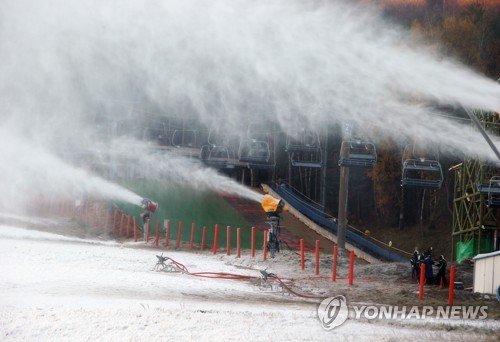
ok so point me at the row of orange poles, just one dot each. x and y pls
(123, 224)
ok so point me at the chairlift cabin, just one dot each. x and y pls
(184, 138)
(492, 190)
(304, 148)
(254, 151)
(422, 173)
(357, 154)
(216, 156)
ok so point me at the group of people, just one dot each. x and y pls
(417, 260)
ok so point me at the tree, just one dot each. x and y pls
(462, 38)
(386, 177)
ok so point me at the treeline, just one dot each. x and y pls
(467, 30)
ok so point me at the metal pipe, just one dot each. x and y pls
(474, 119)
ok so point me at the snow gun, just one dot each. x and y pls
(149, 205)
(273, 206)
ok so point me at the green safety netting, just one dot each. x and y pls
(465, 250)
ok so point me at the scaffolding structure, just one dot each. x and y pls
(476, 222)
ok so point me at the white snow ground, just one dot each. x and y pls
(56, 287)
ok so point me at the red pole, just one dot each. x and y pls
(334, 268)
(203, 235)
(115, 218)
(122, 224)
(422, 281)
(302, 255)
(238, 242)
(317, 257)
(253, 242)
(216, 237)
(351, 268)
(179, 234)
(128, 227)
(192, 237)
(135, 229)
(157, 237)
(167, 232)
(265, 245)
(148, 230)
(228, 240)
(452, 285)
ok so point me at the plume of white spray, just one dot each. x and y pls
(228, 62)
(30, 171)
(173, 168)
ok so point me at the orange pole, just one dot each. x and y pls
(302, 254)
(148, 230)
(253, 242)
(128, 227)
(228, 240)
(351, 268)
(452, 285)
(216, 237)
(422, 281)
(157, 237)
(334, 267)
(122, 223)
(192, 237)
(265, 245)
(135, 228)
(203, 235)
(179, 233)
(167, 232)
(115, 218)
(238, 242)
(317, 257)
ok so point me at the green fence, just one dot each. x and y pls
(471, 248)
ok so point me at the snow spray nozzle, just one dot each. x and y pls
(273, 205)
(149, 205)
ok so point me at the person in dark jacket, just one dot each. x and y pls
(429, 274)
(415, 265)
(441, 274)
